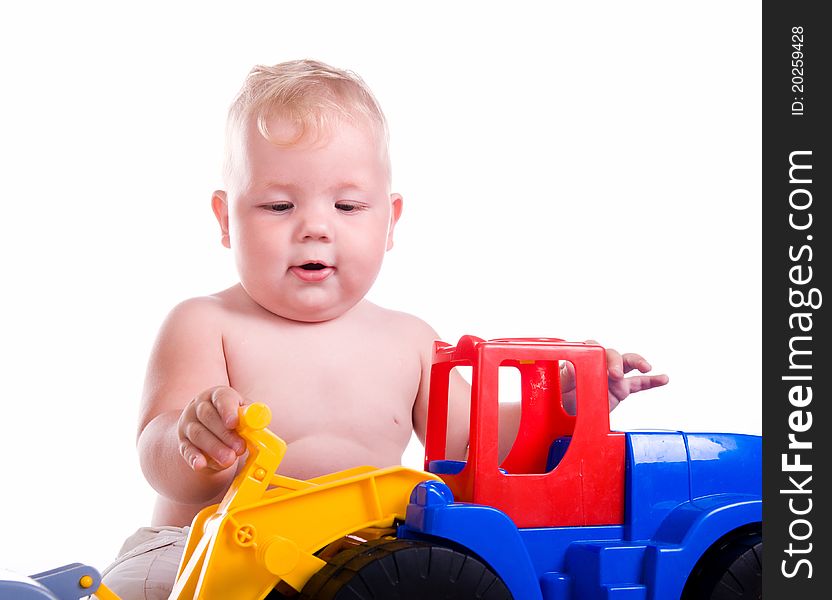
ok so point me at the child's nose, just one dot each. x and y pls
(315, 227)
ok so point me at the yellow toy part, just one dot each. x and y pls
(268, 526)
(102, 592)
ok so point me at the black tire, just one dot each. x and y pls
(404, 570)
(730, 570)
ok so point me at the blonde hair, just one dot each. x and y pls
(311, 94)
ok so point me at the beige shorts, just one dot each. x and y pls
(147, 563)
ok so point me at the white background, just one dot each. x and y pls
(581, 171)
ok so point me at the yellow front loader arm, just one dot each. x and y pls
(268, 527)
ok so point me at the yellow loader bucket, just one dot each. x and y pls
(268, 527)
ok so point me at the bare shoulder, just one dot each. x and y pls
(401, 322)
(398, 318)
(206, 311)
(200, 308)
(193, 324)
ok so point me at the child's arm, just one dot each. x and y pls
(459, 399)
(186, 440)
(459, 411)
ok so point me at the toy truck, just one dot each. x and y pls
(575, 511)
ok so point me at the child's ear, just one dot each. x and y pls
(219, 202)
(396, 202)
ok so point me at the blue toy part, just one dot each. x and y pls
(665, 470)
(558, 563)
(20, 587)
(688, 531)
(684, 493)
(450, 467)
(657, 480)
(446, 467)
(69, 582)
(557, 451)
(600, 571)
(724, 463)
(543, 543)
(482, 530)
(585, 563)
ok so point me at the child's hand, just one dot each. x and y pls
(619, 386)
(207, 439)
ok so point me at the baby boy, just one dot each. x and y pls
(308, 213)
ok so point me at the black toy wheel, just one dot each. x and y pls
(731, 570)
(404, 570)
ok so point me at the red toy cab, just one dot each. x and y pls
(545, 461)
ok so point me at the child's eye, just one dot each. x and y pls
(348, 207)
(279, 207)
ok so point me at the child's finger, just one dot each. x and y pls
(635, 361)
(227, 402)
(646, 382)
(192, 456)
(615, 364)
(209, 416)
(209, 445)
(567, 376)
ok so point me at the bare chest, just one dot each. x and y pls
(325, 382)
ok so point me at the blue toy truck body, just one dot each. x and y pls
(685, 493)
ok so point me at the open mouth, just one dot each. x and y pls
(313, 271)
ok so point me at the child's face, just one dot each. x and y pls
(309, 223)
